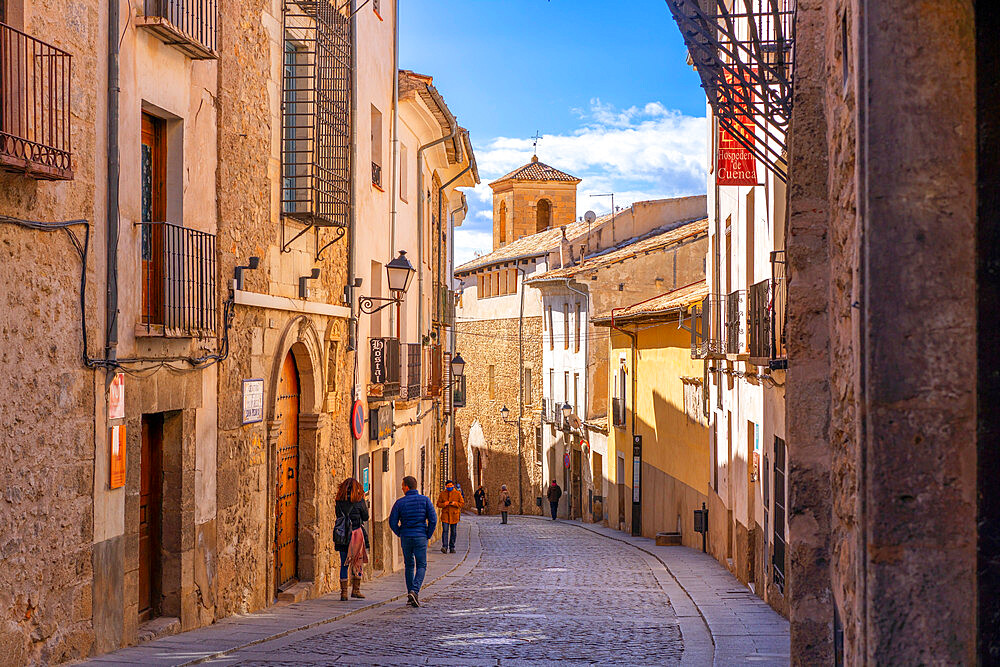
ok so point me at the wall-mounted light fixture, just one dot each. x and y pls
(252, 263)
(399, 273)
(304, 283)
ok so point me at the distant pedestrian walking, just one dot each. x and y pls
(480, 497)
(451, 503)
(505, 503)
(413, 520)
(351, 507)
(554, 494)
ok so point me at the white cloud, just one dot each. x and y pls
(639, 153)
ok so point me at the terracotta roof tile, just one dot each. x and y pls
(536, 171)
(655, 240)
(658, 305)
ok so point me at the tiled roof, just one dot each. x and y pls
(534, 245)
(655, 240)
(411, 85)
(658, 305)
(536, 171)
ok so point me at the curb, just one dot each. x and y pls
(473, 532)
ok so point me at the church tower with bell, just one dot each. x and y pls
(531, 199)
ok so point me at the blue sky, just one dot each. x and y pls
(605, 83)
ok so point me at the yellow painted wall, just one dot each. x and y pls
(675, 450)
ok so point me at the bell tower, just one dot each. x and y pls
(531, 199)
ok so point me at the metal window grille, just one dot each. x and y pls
(759, 330)
(413, 371)
(618, 412)
(539, 448)
(734, 322)
(178, 274)
(35, 95)
(376, 175)
(192, 25)
(743, 51)
(779, 302)
(316, 115)
(778, 558)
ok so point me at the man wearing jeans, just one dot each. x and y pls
(451, 502)
(413, 520)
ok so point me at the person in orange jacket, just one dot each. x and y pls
(451, 502)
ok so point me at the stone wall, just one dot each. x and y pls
(47, 427)
(881, 346)
(495, 342)
(521, 200)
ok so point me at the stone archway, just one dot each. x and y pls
(301, 342)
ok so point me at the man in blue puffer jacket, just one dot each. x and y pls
(413, 520)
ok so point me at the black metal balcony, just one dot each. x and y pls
(190, 25)
(178, 280)
(35, 88)
(377, 175)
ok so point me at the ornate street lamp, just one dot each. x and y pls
(457, 366)
(399, 273)
(504, 413)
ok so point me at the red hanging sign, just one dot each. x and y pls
(736, 164)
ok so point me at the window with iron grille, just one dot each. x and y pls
(539, 453)
(778, 558)
(412, 358)
(316, 114)
(618, 412)
(759, 329)
(734, 322)
(779, 301)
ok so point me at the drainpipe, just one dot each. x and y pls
(420, 216)
(352, 327)
(113, 169)
(634, 338)
(395, 152)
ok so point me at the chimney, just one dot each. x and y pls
(565, 249)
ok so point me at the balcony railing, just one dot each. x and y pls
(178, 280)
(409, 387)
(734, 322)
(190, 25)
(34, 107)
(759, 318)
(618, 412)
(377, 175)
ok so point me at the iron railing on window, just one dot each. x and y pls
(178, 279)
(411, 354)
(376, 175)
(316, 115)
(779, 302)
(618, 412)
(759, 323)
(734, 322)
(35, 92)
(190, 25)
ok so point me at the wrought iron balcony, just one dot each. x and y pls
(190, 25)
(178, 280)
(377, 175)
(34, 107)
(779, 302)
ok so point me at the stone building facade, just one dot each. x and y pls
(532, 198)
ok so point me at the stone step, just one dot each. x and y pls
(668, 539)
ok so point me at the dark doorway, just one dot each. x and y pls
(620, 476)
(577, 485)
(150, 515)
(597, 508)
(287, 506)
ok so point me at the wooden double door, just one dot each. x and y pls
(286, 530)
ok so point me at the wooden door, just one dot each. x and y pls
(598, 508)
(153, 208)
(577, 485)
(620, 477)
(150, 509)
(287, 484)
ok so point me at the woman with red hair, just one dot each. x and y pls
(353, 556)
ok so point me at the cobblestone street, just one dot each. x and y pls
(531, 592)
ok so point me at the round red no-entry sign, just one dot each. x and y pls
(357, 420)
